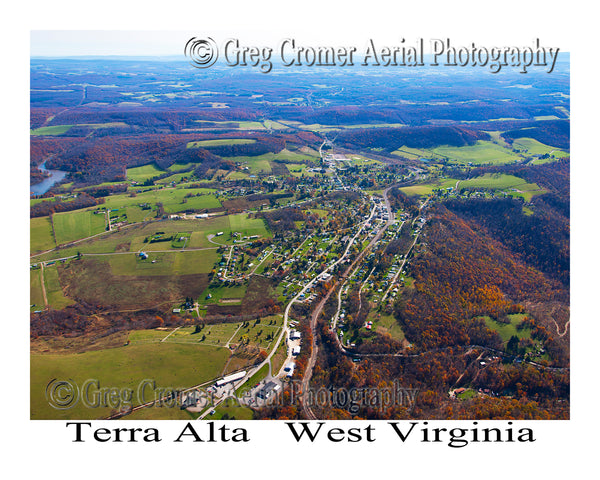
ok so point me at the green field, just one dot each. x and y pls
(54, 291)
(428, 188)
(262, 163)
(223, 294)
(177, 263)
(414, 153)
(61, 129)
(36, 297)
(534, 147)
(387, 324)
(40, 234)
(132, 240)
(174, 200)
(496, 181)
(53, 130)
(221, 141)
(77, 224)
(507, 330)
(169, 365)
(143, 173)
(483, 152)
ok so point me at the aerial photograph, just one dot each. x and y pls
(284, 231)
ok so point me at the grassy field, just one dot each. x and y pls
(221, 141)
(414, 153)
(483, 152)
(509, 183)
(143, 173)
(131, 239)
(534, 147)
(174, 200)
(387, 324)
(61, 129)
(247, 226)
(176, 263)
(77, 224)
(223, 294)
(53, 130)
(210, 335)
(40, 234)
(36, 297)
(169, 365)
(507, 330)
(54, 292)
(262, 163)
(428, 188)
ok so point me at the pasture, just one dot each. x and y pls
(77, 224)
(169, 365)
(143, 173)
(221, 141)
(482, 153)
(40, 234)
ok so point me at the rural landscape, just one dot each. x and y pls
(228, 244)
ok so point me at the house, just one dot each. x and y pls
(267, 390)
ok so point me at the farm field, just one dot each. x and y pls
(170, 365)
(237, 125)
(62, 129)
(40, 234)
(176, 263)
(51, 130)
(535, 147)
(261, 164)
(54, 291)
(221, 141)
(497, 181)
(507, 330)
(174, 200)
(36, 297)
(483, 152)
(77, 224)
(143, 173)
(387, 324)
(428, 188)
(131, 239)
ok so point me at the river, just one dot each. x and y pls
(44, 186)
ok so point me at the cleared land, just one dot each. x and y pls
(169, 365)
(77, 224)
(40, 234)
(221, 141)
(483, 152)
(143, 173)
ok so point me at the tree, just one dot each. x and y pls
(512, 346)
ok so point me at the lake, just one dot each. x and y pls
(46, 184)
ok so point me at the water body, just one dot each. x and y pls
(46, 184)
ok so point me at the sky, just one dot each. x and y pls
(126, 28)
